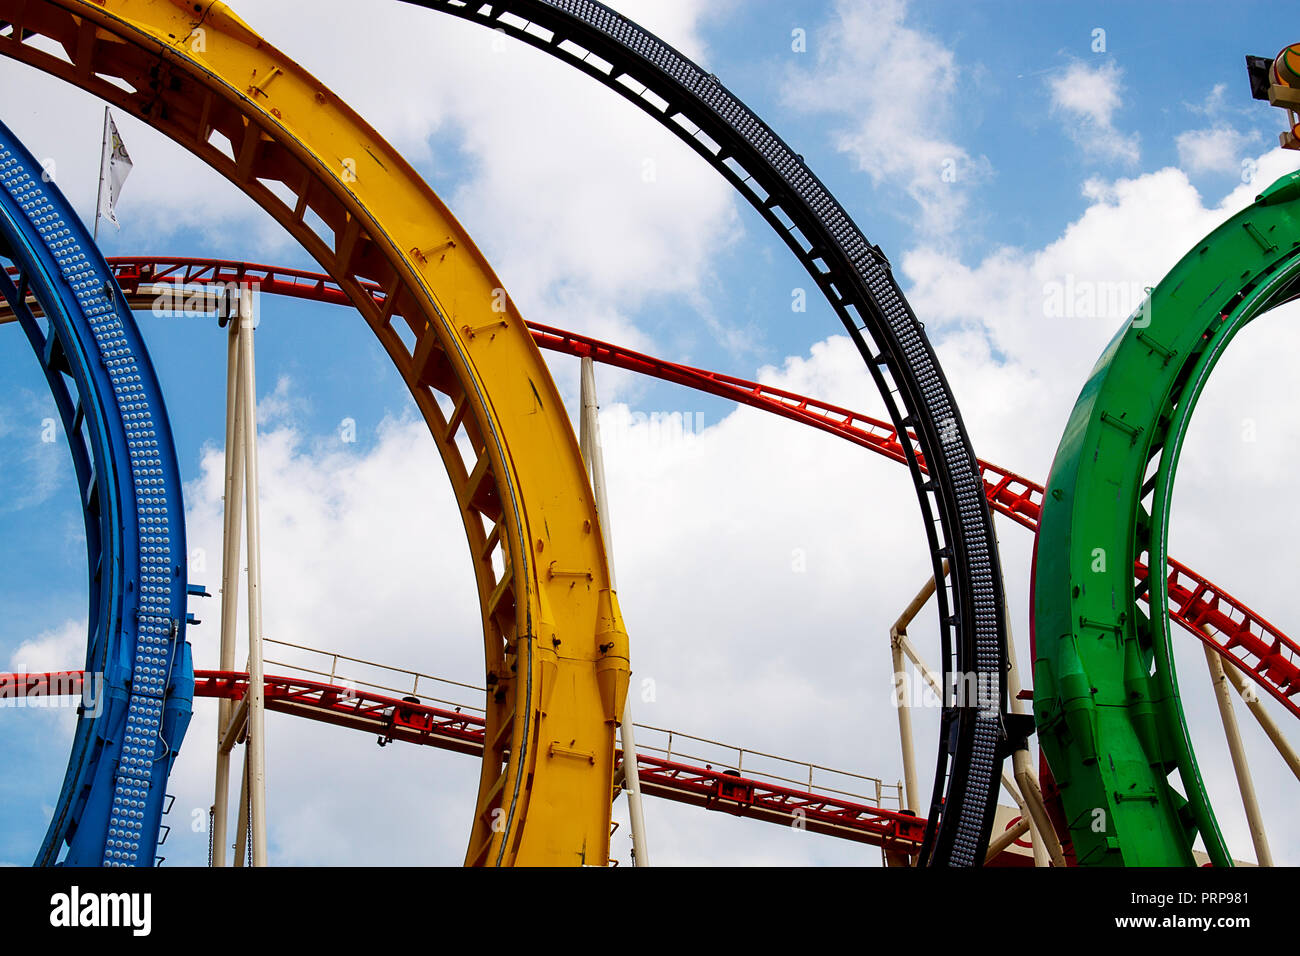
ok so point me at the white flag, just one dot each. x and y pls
(114, 167)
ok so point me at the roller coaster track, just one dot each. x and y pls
(1242, 636)
(1261, 651)
(199, 74)
(856, 279)
(1105, 680)
(552, 629)
(823, 811)
(110, 805)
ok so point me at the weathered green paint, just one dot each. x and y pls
(1105, 689)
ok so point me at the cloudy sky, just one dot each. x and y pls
(995, 150)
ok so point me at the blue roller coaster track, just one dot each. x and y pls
(109, 811)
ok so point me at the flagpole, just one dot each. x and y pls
(99, 194)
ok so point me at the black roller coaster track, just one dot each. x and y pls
(856, 278)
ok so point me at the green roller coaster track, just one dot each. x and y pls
(1106, 693)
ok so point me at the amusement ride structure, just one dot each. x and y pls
(555, 732)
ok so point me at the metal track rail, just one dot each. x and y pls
(1247, 640)
(460, 729)
(857, 280)
(1105, 689)
(199, 74)
(110, 806)
(259, 119)
(1256, 647)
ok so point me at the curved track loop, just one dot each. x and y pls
(1261, 651)
(110, 807)
(1106, 693)
(555, 646)
(856, 278)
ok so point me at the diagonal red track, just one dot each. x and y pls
(1261, 651)
(1254, 646)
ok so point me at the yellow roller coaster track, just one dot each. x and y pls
(555, 647)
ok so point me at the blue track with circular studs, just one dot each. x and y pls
(138, 670)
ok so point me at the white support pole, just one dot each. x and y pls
(911, 790)
(1047, 846)
(932, 679)
(903, 644)
(897, 641)
(231, 538)
(256, 754)
(908, 648)
(1023, 788)
(241, 827)
(589, 440)
(99, 194)
(1270, 727)
(1240, 765)
(1003, 840)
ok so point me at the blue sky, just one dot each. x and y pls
(1101, 155)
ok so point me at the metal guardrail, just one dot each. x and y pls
(659, 741)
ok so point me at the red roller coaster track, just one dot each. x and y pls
(418, 723)
(1258, 649)
(1254, 646)
(1250, 642)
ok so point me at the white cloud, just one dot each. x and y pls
(363, 554)
(1131, 234)
(891, 87)
(1215, 103)
(1088, 98)
(1221, 146)
(1217, 149)
(586, 207)
(283, 405)
(740, 645)
(33, 475)
(385, 576)
(53, 719)
(59, 649)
